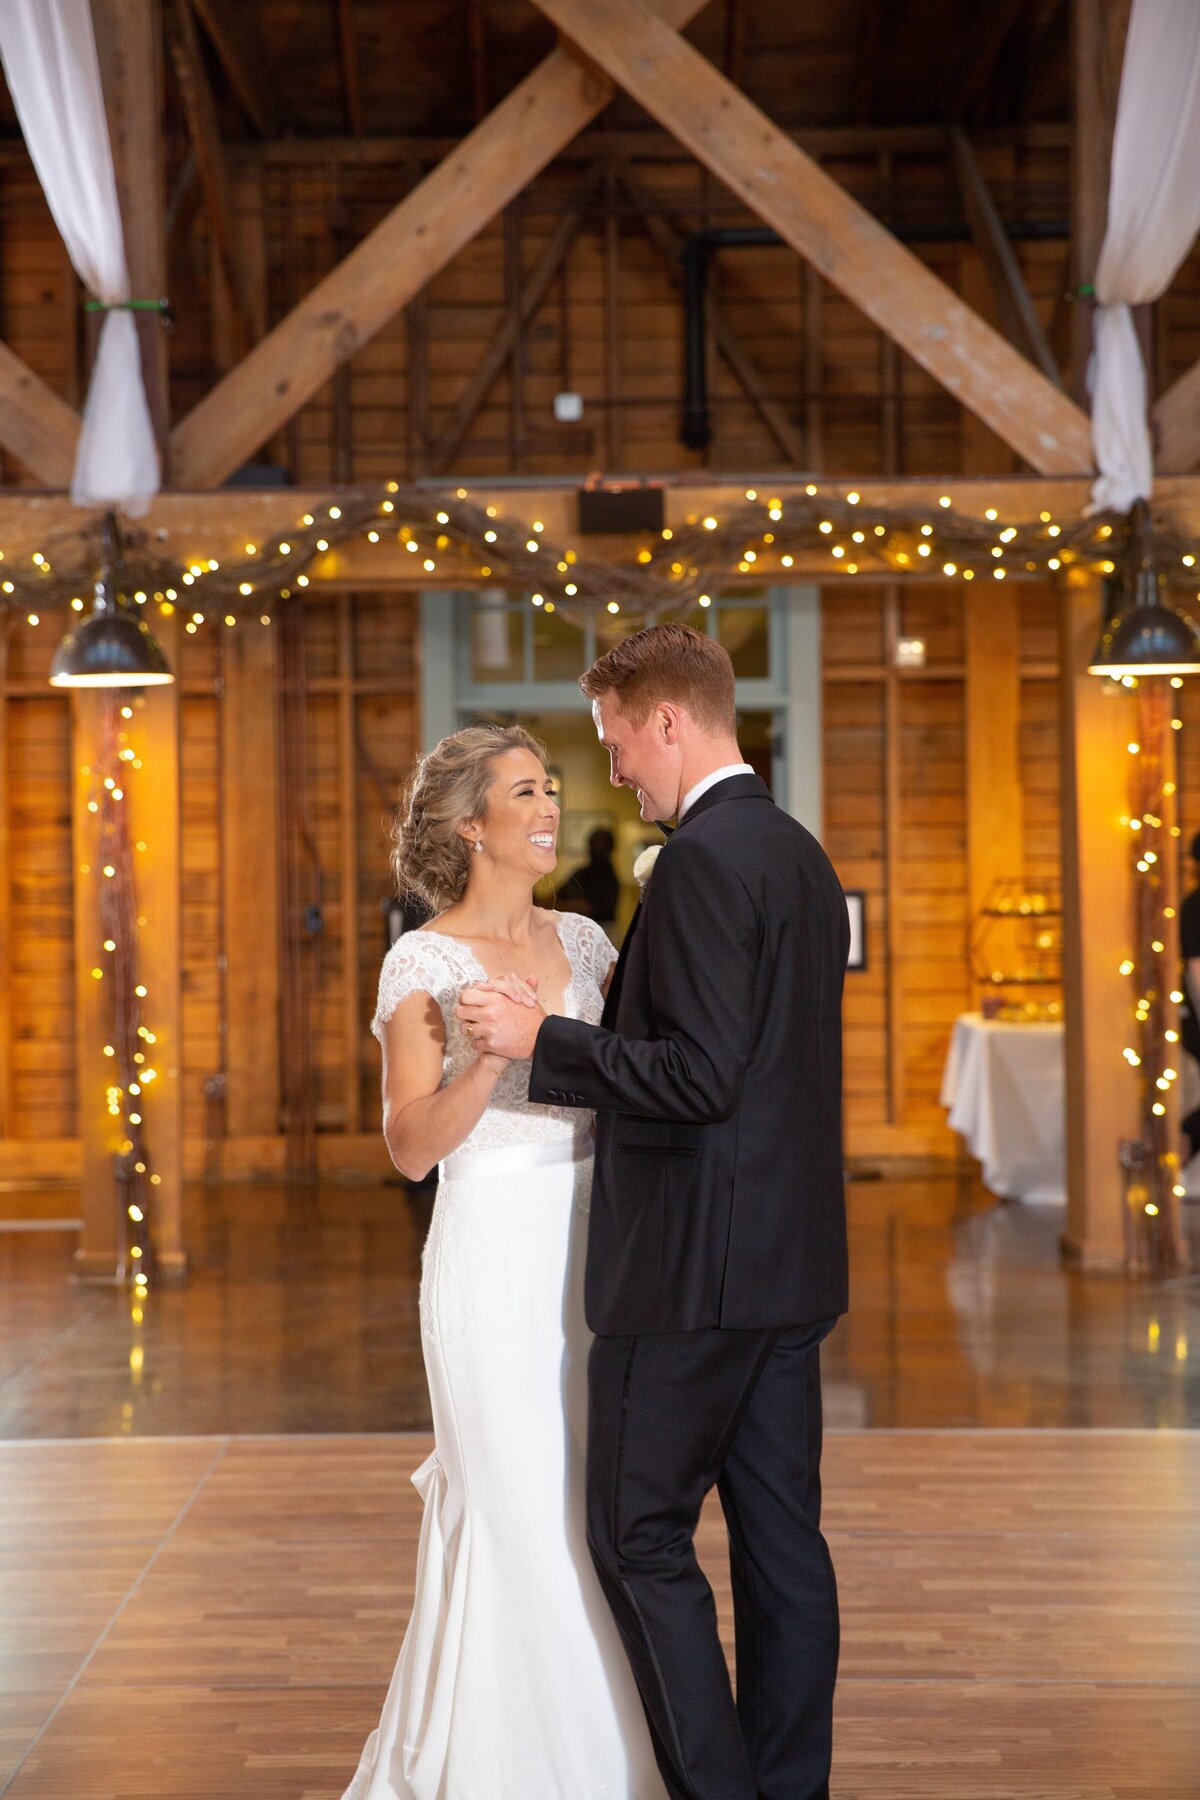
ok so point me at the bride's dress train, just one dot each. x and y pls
(511, 1682)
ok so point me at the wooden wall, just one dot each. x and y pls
(895, 744)
(359, 741)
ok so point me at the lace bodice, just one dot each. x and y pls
(433, 963)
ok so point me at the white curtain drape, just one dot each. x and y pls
(49, 54)
(1153, 218)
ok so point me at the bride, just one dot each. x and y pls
(512, 1683)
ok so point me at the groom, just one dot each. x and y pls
(717, 1241)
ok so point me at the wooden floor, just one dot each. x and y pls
(218, 1617)
(207, 1534)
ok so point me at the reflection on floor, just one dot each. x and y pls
(301, 1315)
(217, 1619)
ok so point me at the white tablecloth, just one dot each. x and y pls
(1004, 1087)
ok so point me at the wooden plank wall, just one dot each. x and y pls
(894, 744)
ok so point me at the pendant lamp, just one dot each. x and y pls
(113, 647)
(1144, 634)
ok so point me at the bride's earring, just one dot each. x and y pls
(478, 846)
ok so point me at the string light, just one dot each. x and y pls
(652, 584)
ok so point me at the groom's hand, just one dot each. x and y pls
(502, 1017)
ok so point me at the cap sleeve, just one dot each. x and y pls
(417, 964)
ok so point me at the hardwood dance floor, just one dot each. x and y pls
(195, 1618)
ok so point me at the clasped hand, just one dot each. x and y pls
(501, 1017)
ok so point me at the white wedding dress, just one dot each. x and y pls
(511, 1682)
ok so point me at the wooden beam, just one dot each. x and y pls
(351, 72)
(36, 424)
(235, 40)
(188, 527)
(1176, 421)
(130, 52)
(1017, 313)
(204, 132)
(534, 289)
(651, 143)
(419, 237)
(1099, 30)
(667, 242)
(819, 219)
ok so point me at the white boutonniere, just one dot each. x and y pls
(643, 866)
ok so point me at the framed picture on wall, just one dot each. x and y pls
(856, 906)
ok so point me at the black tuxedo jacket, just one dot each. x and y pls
(716, 1075)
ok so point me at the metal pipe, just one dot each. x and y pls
(695, 425)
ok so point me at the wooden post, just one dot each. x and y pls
(5, 905)
(1098, 720)
(995, 835)
(612, 329)
(155, 820)
(348, 857)
(130, 50)
(1098, 29)
(992, 658)
(250, 879)
(814, 369)
(893, 886)
(152, 800)
(98, 1252)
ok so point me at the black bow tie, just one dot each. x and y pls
(665, 829)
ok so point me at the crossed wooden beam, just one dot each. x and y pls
(608, 44)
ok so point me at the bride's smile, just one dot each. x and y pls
(519, 832)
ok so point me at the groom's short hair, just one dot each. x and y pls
(667, 662)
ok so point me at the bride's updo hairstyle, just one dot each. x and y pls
(449, 787)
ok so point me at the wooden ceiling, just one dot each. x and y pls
(333, 68)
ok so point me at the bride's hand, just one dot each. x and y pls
(515, 988)
(521, 993)
(502, 1015)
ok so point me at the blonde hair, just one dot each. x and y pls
(448, 787)
(667, 662)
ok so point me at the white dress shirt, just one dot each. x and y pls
(702, 787)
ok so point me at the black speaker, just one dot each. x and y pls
(610, 512)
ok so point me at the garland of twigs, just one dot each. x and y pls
(457, 538)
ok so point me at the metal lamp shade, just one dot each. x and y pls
(112, 648)
(1147, 637)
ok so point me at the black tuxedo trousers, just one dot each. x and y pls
(670, 1416)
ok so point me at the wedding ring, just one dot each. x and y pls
(470, 1031)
